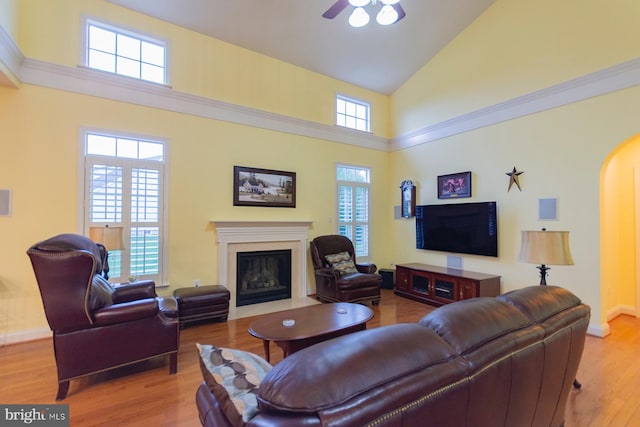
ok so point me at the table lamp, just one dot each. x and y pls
(545, 248)
(111, 239)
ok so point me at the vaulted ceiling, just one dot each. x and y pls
(375, 57)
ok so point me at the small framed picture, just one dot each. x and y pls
(263, 187)
(455, 185)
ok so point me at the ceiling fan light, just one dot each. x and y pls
(359, 18)
(358, 3)
(387, 15)
(390, 1)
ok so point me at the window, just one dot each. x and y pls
(352, 113)
(123, 186)
(353, 206)
(128, 54)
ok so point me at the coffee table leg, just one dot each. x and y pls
(265, 344)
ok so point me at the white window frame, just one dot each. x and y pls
(353, 223)
(84, 55)
(161, 278)
(356, 114)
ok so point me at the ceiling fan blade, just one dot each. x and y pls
(334, 10)
(400, 10)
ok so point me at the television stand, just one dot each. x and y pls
(438, 285)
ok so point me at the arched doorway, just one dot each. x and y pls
(620, 230)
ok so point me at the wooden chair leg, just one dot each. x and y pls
(63, 389)
(173, 363)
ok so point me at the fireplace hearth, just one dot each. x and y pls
(263, 276)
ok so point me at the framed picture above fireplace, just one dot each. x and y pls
(263, 187)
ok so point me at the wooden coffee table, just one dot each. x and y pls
(311, 325)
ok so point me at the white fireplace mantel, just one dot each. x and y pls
(261, 231)
(233, 236)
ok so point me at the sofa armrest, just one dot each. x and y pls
(328, 273)
(134, 291)
(322, 377)
(126, 312)
(168, 306)
(367, 267)
(209, 409)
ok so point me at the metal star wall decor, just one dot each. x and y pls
(514, 178)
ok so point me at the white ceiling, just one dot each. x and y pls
(375, 57)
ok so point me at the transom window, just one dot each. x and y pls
(123, 187)
(352, 113)
(353, 206)
(125, 53)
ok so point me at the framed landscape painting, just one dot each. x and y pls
(263, 187)
(455, 185)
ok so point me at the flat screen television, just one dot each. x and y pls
(467, 228)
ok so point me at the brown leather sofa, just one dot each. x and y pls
(483, 362)
(95, 325)
(361, 284)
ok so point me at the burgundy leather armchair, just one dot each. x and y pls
(97, 326)
(360, 283)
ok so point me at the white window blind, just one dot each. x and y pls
(124, 187)
(353, 206)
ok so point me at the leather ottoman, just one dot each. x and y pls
(203, 302)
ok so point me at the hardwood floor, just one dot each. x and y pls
(145, 394)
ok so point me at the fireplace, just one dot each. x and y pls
(263, 276)
(234, 237)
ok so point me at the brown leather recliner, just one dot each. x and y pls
(97, 326)
(333, 283)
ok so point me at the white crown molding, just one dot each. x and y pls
(11, 60)
(104, 85)
(601, 82)
(94, 83)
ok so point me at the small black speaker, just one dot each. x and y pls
(388, 278)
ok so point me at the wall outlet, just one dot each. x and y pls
(196, 283)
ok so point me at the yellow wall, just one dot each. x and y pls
(514, 48)
(51, 31)
(40, 147)
(517, 47)
(40, 130)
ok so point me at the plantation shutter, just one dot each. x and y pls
(353, 207)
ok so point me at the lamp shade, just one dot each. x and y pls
(545, 247)
(110, 237)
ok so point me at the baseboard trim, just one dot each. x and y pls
(621, 309)
(25, 336)
(599, 331)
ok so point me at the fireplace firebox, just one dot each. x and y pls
(263, 276)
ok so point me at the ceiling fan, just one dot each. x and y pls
(390, 13)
